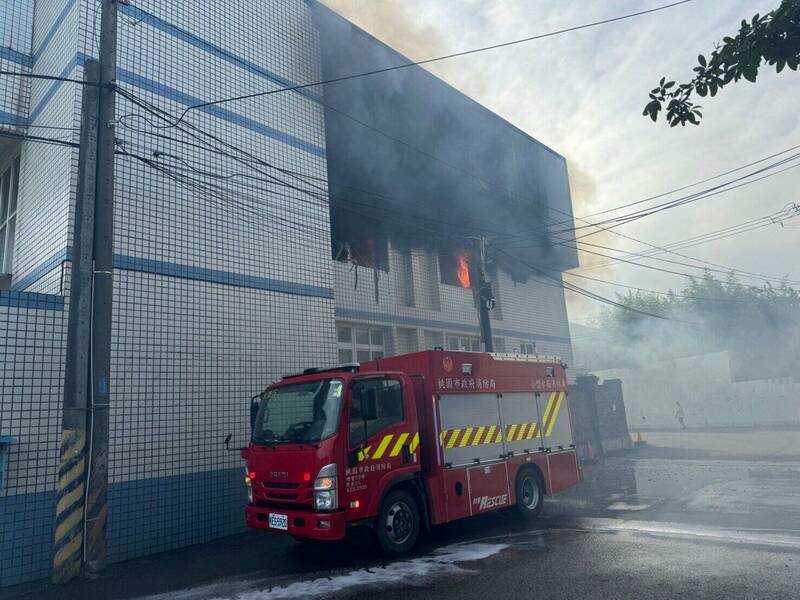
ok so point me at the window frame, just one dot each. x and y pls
(376, 350)
(383, 380)
(474, 342)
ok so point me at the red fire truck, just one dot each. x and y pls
(404, 443)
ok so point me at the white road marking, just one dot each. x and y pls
(415, 571)
(626, 506)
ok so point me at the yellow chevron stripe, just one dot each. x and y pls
(465, 437)
(398, 446)
(534, 431)
(511, 430)
(364, 454)
(499, 438)
(66, 501)
(67, 551)
(453, 437)
(387, 439)
(69, 523)
(478, 436)
(548, 409)
(71, 475)
(523, 431)
(415, 443)
(554, 414)
(489, 439)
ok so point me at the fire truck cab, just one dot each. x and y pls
(407, 442)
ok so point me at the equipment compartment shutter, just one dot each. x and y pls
(521, 421)
(556, 428)
(470, 428)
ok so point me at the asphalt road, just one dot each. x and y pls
(637, 528)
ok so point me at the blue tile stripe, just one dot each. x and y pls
(31, 300)
(59, 21)
(7, 118)
(210, 48)
(158, 267)
(43, 269)
(125, 76)
(26, 543)
(48, 95)
(131, 263)
(390, 319)
(16, 56)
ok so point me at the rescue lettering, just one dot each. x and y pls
(485, 502)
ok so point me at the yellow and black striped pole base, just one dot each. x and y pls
(68, 543)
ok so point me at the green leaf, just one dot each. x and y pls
(728, 40)
(701, 59)
(668, 85)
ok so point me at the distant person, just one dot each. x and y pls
(679, 415)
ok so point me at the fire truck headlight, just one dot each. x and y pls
(325, 500)
(325, 496)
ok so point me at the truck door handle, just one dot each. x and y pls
(406, 454)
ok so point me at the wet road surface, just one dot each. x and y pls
(654, 527)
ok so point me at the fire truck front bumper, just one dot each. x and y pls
(302, 523)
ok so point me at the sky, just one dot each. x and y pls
(582, 94)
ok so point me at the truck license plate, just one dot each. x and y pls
(278, 521)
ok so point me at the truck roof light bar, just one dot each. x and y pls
(350, 367)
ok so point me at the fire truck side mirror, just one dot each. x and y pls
(255, 404)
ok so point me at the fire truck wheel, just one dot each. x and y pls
(398, 524)
(530, 494)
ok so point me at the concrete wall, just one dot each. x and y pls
(704, 387)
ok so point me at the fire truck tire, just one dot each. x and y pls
(530, 493)
(398, 525)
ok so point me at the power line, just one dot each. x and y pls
(160, 114)
(713, 236)
(794, 211)
(45, 77)
(586, 293)
(38, 139)
(429, 60)
(700, 195)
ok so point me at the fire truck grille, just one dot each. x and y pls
(280, 485)
(273, 496)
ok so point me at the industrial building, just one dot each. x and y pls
(252, 238)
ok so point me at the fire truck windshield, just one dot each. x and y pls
(299, 413)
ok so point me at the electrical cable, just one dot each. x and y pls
(429, 60)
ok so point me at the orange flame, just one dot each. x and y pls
(463, 271)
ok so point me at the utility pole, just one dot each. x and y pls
(71, 488)
(484, 297)
(81, 506)
(95, 552)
